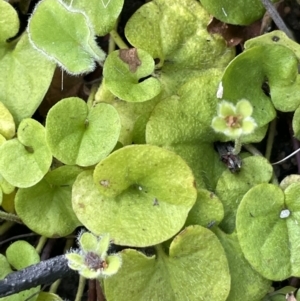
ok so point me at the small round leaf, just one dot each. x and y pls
(79, 135)
(27, 156)
(140, 195)
(46, 207)
(122, 71)
(195, 269)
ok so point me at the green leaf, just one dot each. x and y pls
(109, 11)
(174, 33)
(65, 37)
(246, 283)
(128, 66)
(80, 135)
(239, 12)
(27, 156)
(232, 187)
(7, 124)
(141, 195)
(20, 92)
(272, 245)
(242, 80)
(296, 123)
(46, 207)
(9, 24)
(207, 211)
(182, 123)
(29, 257)
(195, 269)
(29, 254)
(43, 296)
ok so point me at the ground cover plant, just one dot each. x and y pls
(131, 140)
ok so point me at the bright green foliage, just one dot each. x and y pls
(122, 71)
(6, 187)
(242, 80)
(207, 211)
(141, 195)
(13, 258)
(27, 156)
(91, 260)
(234, 121)
(7, 124)
(195, 269)
(174, 32)
(20, 90)
(101, 13)
(246, 283)
(232, 187)
(180, 123)
(65, 37)
(50, 215)
(82, 135)
(269, 239)
(239, 12)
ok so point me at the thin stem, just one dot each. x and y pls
(41, 244)
(10, 217)
(252, 150)
(276, 17)
(289, 156)
(111, 44)
(80, 288)
(237, 146)
(270, 141)
(5, 227)
(118, 40)
(93, 92)
(54, 286)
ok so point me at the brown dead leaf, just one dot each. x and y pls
(130, 57)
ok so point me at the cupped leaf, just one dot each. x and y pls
(46, 208)
(246, 283)
(242, 80)
(195, 269)
(109, 11)
(207, 211)
(122, 71)
(27, 156)
(64, 35)
(296, 123)
(232, 187)
(30, 74)
(174, 33)
(239, 12)
(268, 228)
(141, 195)
(80, 135)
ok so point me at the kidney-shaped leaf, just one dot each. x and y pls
(195, 269)
(122, 71)
(140, 195)
(64, 35)
(80, 135)
(231, 187)
(46, 208)
(268, 227)
(27, 156)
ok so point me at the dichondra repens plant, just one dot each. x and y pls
(135, 164)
